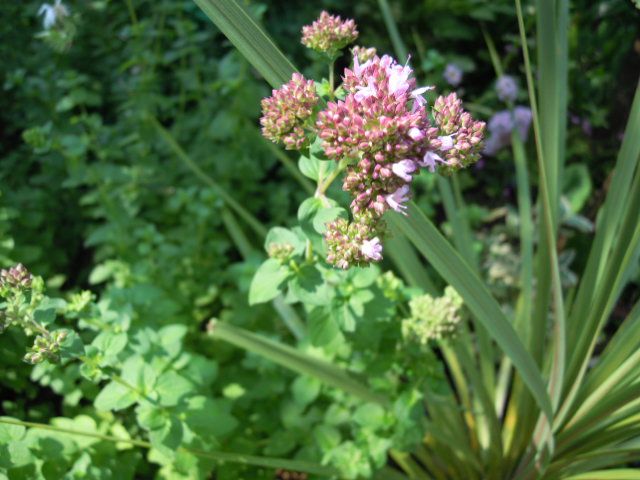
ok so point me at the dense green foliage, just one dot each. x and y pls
(136, 187)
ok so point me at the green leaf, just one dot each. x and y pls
(208, 416)
(327, 437)
(370, 415)
(280, 235)
(447, 261)
(305, 390)
(109, 344)
(322, 327)
(11, 433)
(171, 387)
(168, 437)
(281, 442)
(115, 396)
(577, 185)
(313, 165)
(617, 474)
(256, 46)
(267, 282)
(139, 374)
(150, 416)
(45, 316)
(72, 346)
(309, 287)
(170, 337)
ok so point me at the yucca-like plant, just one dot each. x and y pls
(527, 397)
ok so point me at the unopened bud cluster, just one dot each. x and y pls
(460, 135)
(433, 318)
(23, 294)
(380, 132)
(15, 277)
(280, 251)
(350, 243)
(363, 54)
(329, 34)
(46, 347)
(285, 112)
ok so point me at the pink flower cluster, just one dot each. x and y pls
(351, 244)
(382, 131)
(329, 34)
(460, 135)
(285, 112)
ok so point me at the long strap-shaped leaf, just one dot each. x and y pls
(447, 261)
(222, 457)
(257, 47)
(294, 360)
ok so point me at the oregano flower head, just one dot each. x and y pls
(380, 133)
(460, 140)
(433, 318)
(285, 111)
(15, 277)
(329, 34)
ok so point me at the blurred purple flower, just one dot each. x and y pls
(522, 116)
(453, 74)
(506, 88)
(501, 125)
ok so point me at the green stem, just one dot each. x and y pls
(323, 186)
(332, 86)
(132, 13)
(398, 45)
(493, 54)
(36, 326)
(267, 462)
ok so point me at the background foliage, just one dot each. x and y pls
(99, 193)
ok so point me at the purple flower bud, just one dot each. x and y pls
(453, 74)
(506, 88)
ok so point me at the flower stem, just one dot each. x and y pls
(331, 80)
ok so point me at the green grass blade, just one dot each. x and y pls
(626, 372)
(251, 40)
(624, 342)
(524, 307)
(409, 265)
(447, 261)
(622, 261)
(222, 457)
(547, 169)
(293, 359)
(610, 215)
(617, 474)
